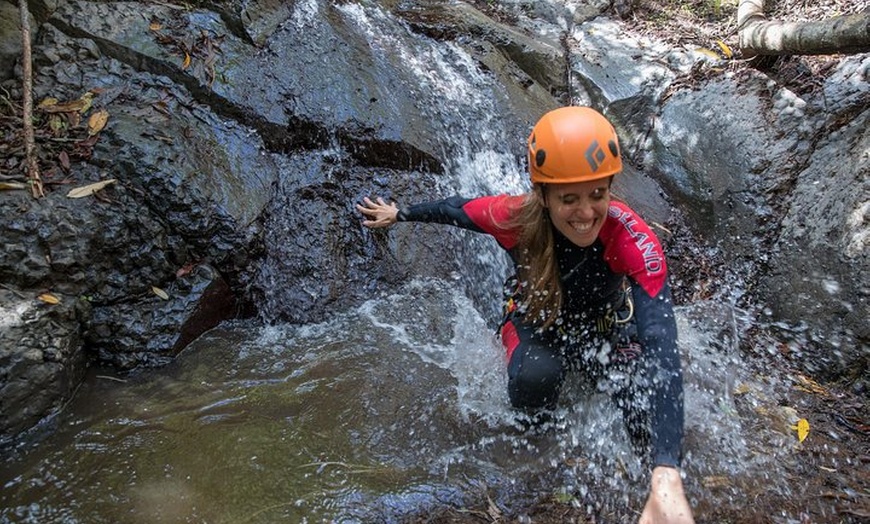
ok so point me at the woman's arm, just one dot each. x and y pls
(657, 332)
(487, 214)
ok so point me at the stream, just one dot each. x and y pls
(391, 410)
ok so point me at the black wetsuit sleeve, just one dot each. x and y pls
(448, 211)
(657, 329)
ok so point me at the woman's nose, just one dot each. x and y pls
(583, 210)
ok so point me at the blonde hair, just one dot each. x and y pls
(537, 268)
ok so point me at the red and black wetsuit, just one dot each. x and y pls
(593, 283)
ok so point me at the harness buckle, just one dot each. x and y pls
(630, 304)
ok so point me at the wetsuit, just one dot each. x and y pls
(624, 267)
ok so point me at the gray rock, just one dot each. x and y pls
(149, 329)
(41, 357)
(820, 268)
(717, 150)
(10, 39)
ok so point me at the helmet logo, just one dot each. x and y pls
(540, 156)
(595, 155)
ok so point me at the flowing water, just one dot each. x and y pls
(393, 409)
(390, 409)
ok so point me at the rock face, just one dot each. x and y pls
(239, 136)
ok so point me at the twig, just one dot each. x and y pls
(107, 377)
(7, 99)
(267, 508)
(20, 295)
(29, 141)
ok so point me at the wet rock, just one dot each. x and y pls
(612, 65)
(41, 357)
(261, 18)
(820, 268)
(626, 75)
(539, 59)
(101, 249)
(321, 260)
(718, 164)
(10, 39)
(151, 329)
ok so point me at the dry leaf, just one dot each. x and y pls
(89, 189)
(810, 386)
(49, 101)
(87, 100)
(742, 389)
(802, 428)
(725, 49)
(76, 106)
(160, 293)
(155, 26)
(12, 185)
(48, 298)
(63, 156)
(186, 62)
(716, 481)
(97, 122)
(708, 52)
(184, 270)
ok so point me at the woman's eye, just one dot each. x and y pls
(569, 199)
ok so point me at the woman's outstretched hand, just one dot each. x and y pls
(667, 502)
(379, 214)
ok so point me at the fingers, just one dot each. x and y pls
(380, 213)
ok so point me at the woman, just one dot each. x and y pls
(590, 290)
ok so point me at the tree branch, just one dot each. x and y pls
(840, 34)
(32, 166)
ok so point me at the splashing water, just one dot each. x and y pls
(382, 412)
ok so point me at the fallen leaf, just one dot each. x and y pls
(493, 511)
(48, 298)
(57, 124)
(725, 49)
(87, 100)
(48, 101)
(185, 270)
(810, 386)
(186, 62)
(5, 186)
(76, 106)
(89, 189)
(160, 293)
(63, 156)
(802, 428)
(155, 26)
(708, 52)
(97, 122)
(742, 389)
(716, 481)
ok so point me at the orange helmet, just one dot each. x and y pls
(573, 144)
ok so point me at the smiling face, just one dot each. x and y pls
(578, 210)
